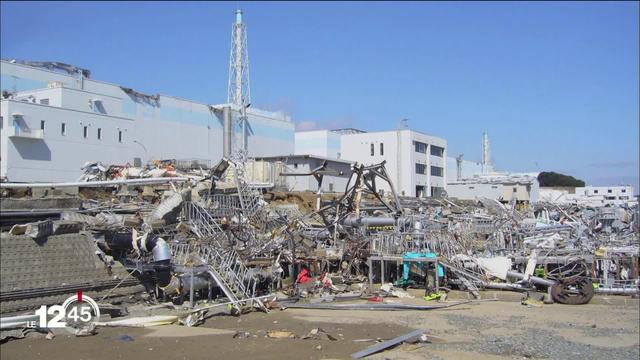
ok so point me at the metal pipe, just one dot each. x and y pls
(191, 300)
(368, 221)
(617, 291)
(15, 322)
(146, 181)
(372, 307)
(533, 279)
(226, 119)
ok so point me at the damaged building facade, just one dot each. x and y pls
(55, 118)
(296, 172)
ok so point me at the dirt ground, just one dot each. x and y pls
(605, 329)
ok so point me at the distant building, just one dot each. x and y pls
(52, 123)
(416, 162)
(607, 195)
(497, 186)
(610, 193)
(270, 169)
(590, 195)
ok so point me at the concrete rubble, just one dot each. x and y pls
(213, 243)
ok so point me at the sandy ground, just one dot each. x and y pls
(488, 330)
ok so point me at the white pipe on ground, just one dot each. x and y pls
(146, 181)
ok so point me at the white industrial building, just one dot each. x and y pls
(416, 162)
(502, 187)
(610, 193)
(52, 123)
(590, 195)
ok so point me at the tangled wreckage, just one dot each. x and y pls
(207, 240)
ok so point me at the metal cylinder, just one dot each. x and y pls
(617, 291)
(417, 225)
(534, 279)
(161, 250)
(181, 284)
(369, 221)
(226, 118)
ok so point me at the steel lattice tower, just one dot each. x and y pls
(239, 91)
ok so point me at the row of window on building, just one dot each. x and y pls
(434, 150)
(435, 170)
(373, 149)
(609, 191)
(419, 147)
(85, 131)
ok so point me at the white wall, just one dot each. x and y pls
(357, 147)
(59, 157)
(464, 191)
(322, 143)
(469, 168)
(497, 190)
(619, 192)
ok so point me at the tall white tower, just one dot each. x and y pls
(486, 154)
(459, 167)
(239, 93)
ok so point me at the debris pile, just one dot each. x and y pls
(214, 243)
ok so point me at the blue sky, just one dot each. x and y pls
(554, 84)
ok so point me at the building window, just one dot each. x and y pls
(381, 149)
(99, 134)
(494, 187)
(119, 136)
(609, 191)
(420, 147)
(471, 187)
(437, 151)
(515, 189)
(42, 125)
(595, 191)
(372, 149)
(63, 129)
(421, 169)
(437, 171)
(1, 122)
(331, 187)
(44, 101)
(85, 132)
(624, 190)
